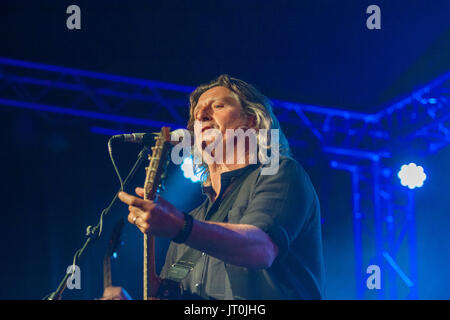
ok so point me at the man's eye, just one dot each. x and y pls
(218, 106)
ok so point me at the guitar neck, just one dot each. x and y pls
(153, 178)
(150, 276)
(107, 281)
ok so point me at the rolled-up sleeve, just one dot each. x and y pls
(281, 204)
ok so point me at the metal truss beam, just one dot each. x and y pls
(383, 231)
(424, 115)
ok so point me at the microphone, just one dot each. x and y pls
(130, 137)
(175, 137)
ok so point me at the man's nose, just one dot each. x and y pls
(204, 114)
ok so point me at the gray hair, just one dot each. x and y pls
(254, 104)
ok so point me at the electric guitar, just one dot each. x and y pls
(109, 291)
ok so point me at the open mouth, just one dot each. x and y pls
(206, 128)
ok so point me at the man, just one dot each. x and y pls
(256, 236)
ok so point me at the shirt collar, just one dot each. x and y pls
(227, 177)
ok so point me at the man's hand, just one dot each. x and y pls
(115, 293)
(159, 217)
(239, 244)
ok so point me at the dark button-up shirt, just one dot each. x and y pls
(286, 207)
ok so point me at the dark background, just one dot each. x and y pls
(57, 175)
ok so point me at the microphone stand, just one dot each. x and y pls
(92, 233)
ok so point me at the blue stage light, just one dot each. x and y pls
(188, 170)
(412, 175)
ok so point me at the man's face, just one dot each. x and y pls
(218, 108)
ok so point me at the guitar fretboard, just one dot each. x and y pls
(152, 180)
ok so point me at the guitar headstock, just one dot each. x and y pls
(158, 162)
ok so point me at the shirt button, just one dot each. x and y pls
(203, 253)
(197, 285)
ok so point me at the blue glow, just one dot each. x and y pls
(86, 114)
(412, 176)
(115, 255)
(105, 131)
(357, 153)
(188, 170)
(95, 75)
(324, 110)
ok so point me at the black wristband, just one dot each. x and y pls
(186, 230)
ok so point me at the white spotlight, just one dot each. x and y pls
(188, 170)
(412, 176)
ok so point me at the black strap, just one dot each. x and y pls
(186, 230)
(179, 270)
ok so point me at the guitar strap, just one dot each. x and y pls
(180, 270)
